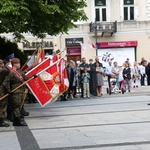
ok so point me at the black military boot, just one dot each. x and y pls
(3, 124)
(18, 122)
(10, 116)
(21, 116)
(24, 112)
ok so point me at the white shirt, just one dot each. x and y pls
(116, 69)
(9, 64)
(135, 70)
(142, 69)
(109, 69)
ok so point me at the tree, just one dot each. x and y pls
(40, 17)
(7, 47)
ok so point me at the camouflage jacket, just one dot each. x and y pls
(12, 81)
(3, 74)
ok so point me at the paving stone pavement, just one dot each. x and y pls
(111, 122)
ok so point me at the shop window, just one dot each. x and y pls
(100, 10)
(128, 9)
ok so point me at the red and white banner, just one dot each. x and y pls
(32, 60)
(91, 44)
(37, 86)
(83, 46)
(41, 56)
(49, 84)
(64, 76)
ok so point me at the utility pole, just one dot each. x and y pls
(95, 26)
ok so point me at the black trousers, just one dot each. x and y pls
(143, 80)
(109, 85)
(148, 80)
(81, 85)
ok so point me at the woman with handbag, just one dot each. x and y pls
(127, 76)
(99, 78)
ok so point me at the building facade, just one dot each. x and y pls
(119, 28)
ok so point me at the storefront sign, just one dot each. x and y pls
(45, 44)
(117, 44)
(74, 51)
(73, 42)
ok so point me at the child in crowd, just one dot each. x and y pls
(86, 80)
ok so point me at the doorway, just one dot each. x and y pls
(74, 58)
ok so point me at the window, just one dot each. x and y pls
(97, 14)
(100, 10)
(128, 2)
(128, 9)
(100, 2)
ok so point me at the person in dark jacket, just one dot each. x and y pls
(72, 76)
(90, 72)
(147, 70)
(93, 85)
(127, 76)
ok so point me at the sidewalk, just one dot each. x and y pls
(111, 122)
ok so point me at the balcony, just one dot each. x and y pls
(108, 28)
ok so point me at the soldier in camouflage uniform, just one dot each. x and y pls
(3, 103)
(16, 78)
(10, 101)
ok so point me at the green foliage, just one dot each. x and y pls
(40, 17)
(7, 47)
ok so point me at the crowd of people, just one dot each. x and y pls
(88, 78)
(84, 78)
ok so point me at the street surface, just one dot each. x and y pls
(110, 122)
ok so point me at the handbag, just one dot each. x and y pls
(129, 76)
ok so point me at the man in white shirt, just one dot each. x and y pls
(116, 71)
(109, 72)
(142, 73)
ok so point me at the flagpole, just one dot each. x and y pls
(31, 78)
(24, 97)
(16, 88)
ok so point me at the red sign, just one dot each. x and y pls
(73, 51)
(118, 44)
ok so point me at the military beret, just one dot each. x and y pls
(10, 57)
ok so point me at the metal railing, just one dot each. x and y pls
(104, 27)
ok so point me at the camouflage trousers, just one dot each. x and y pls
(17, 100)
(3, 107)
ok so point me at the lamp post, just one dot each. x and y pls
(95, 26)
